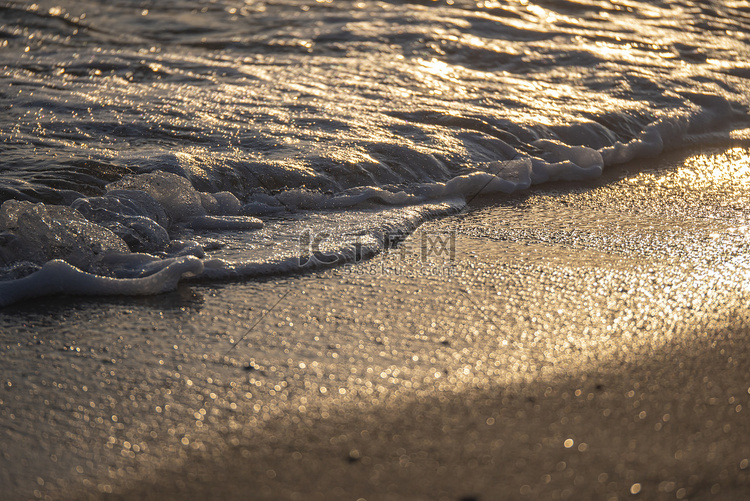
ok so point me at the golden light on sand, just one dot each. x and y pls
(732, 173)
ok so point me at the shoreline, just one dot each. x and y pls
(618, 283)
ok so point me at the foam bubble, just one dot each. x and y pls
(39, 233)
(222, 203)
(132, 215)
(179, 200)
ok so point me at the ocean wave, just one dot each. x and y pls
(138, 137)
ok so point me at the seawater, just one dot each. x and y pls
(146, 142)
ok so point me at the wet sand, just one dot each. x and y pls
(667, 428)
(584, 342)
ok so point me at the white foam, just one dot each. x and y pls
(59, 277)
(224, 223)
(315, 200)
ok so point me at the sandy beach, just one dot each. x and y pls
(575, 341)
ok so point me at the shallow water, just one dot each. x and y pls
(283, 107)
